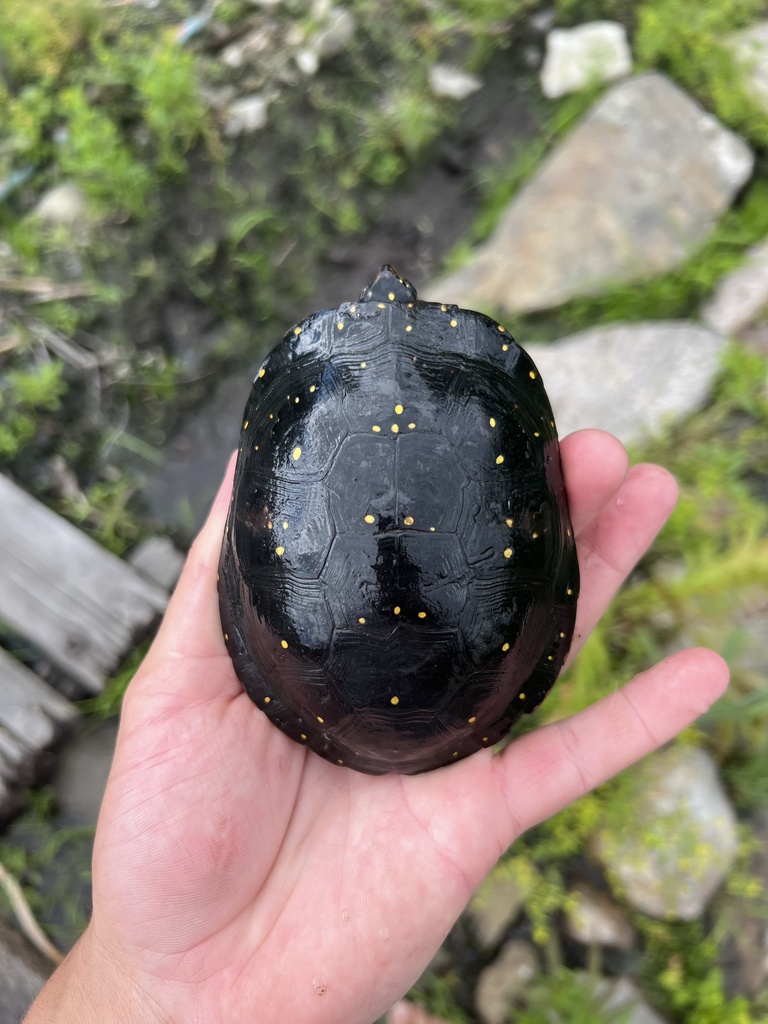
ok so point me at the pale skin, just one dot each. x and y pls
(240, 878)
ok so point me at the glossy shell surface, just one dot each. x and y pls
(398, 576)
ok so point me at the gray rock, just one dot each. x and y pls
(629, 379)
(629, 193)
(23, 972)
(159, 559)
(247, 114)
(337, 29)
(576, 57)
(453, 83)
(741, 296)
(621, 998)
(495, 907)
(504, 980)
(750, 48)
(245, 50)
(593, 919)
(63, 205)
(672, 855)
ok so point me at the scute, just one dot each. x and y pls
(398, 577)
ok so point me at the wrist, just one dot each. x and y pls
(91, 987)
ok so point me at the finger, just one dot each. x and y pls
(594, 467)
(611, 545)
(191, 628)
(565, 760)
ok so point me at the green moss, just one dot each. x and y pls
(26, 397)
(568, 997)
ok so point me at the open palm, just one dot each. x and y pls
(238, 877)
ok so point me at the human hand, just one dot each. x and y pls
(239, 877)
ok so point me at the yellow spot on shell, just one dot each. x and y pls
(320, 720)
(398, 408)
(381, 305)
(534, 535)
(499, 327)
(255, 447)
(339, 761)
(396, 609)
(226, 636)
(394, 428)
(431, 529)
(267, 700)
(485, 739)
(245, 425)
(536, 433)
(303, 736)
(363, 365)
(521, 696)
(340, 325)
(375, 429)
(443, 309)
(369, 519)
(532, 375)
(408, 520)
(284, 644)
(492, 421)
(285, 525)
(297, 330)
(550, 658)
(510, 522)
(353, 309)
(296, 400)
(296, 453)
(507, 552)
(409, 329)
(280, 550)
(505, 647)
(454, 323)
(312, 389)
(410, 305)
(422, 615)
(269, 524)
(505, 348)
(361, 620)
(411, 426)
(499, 459)
(569, 592)
(391, 296)
(472, 719)
(262, 371)
(455, 753)
(562, 636)
(394, 700)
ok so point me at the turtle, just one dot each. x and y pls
(398, 576)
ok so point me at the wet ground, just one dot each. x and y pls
(429, 212)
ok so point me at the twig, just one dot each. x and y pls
(44, 290)
(26, 918)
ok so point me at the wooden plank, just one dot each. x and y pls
(31, 710)
(82, 606)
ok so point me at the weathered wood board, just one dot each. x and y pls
(81, 605)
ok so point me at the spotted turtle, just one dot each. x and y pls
(398, 576)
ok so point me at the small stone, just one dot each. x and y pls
(577, 57)
(495, 907)
(750, 49)
(406, 1012)
(453, 83)
(500, 984)
(629, 379)
(247, 114)
(741, 296)
(159, 559)
(62, 206)
(681, 841)
(594, 920)
(337, 32)
(243, 51)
